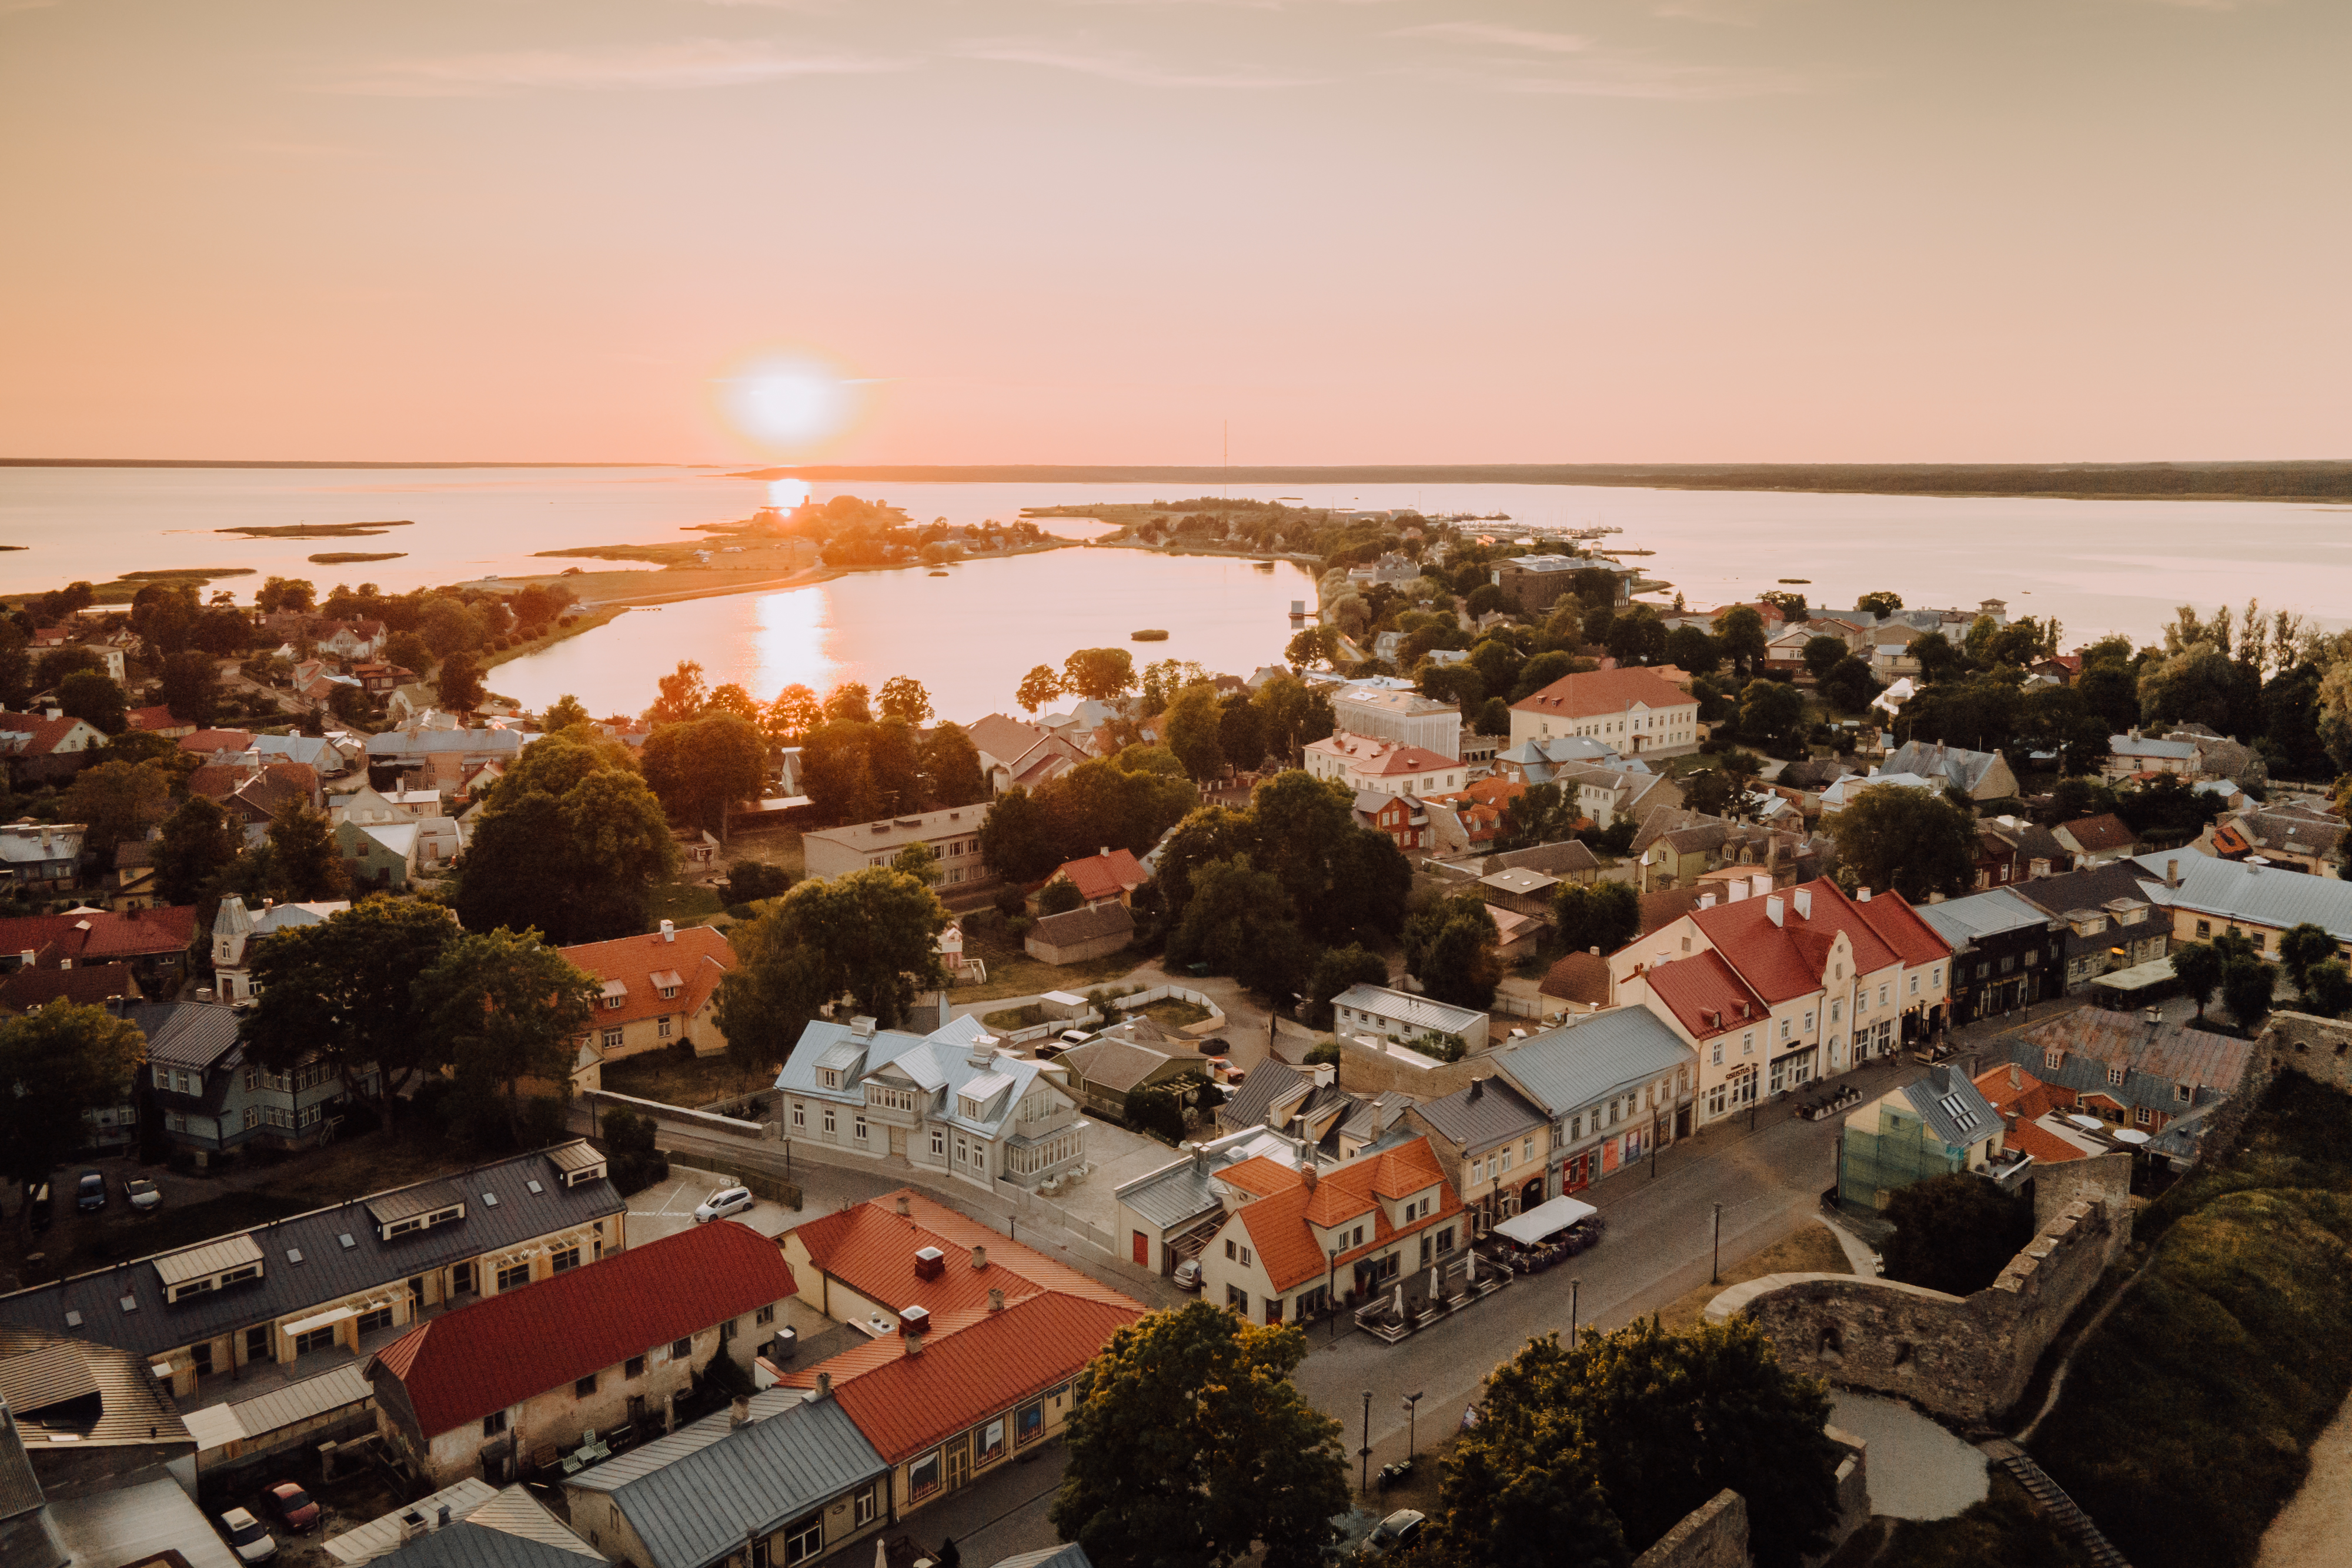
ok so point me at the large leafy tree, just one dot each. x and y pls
(904, 699)
(1604, 915)
(117, 800)
(2197, 966)
(1955, 1233)
(571, 841)
(683, 695)
(1584, 1453)
(305, 863)
(1190, 1447)
(871, 935)
(350, 988)
(1771, 713)
(509, 1007)
(1891, 835)
(459, 685)
(1450, 948)
(1038, 689)
(1539, 814)
(951, 771)
(190, 686)
(1099, 673)
(1334, 972)
(88, 694)
(1017, 842)
(702, 767)
(1295, 716)
(1192, 725)
(198, 843)
(794, 714)
(1739, 632)
(1239, 922)
(56, 1063)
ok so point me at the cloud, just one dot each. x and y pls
(1124, 67)
(689, 63)
(8, 5)
(1501, 36)
(1497, 58)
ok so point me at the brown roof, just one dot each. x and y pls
(1666, 905)
(691, 967)
(1083, 925)
(42, 735)
(28, 989)
(1578, 977)
(211, 740)
(218, 781)
(99, 935)
(1593, 693)
(1105, 875)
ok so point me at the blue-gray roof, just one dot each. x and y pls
(329, 1269)
(691, 1513)
(1481, 1114)
(1955, 1110)
(1961, 920)
(465, 1544)
(2256, 895)
(1602, 1054)
(938, 1062)
(185, 1034)
(1420, 1012)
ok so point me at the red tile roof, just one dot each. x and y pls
(1105, 875)
(1279, 1221)
(207, 741)
(2013, 1092)
(1382, 758)
(972, 1365)
(100, 936)
(2045, 1146)
(157, 717)
(2105, 831)
(1788, 959)
(503, 1349)
(694, 965)
(1578, 977)
(1706, 993)
(28, 989)
(871, 1248)
(42, 735)
(218, 781)
(1593, 693)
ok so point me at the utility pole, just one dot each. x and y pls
(1412, 1409)
(1716, 1276)
(1364, 1453)
(1575, 1303)
(1331, 1290)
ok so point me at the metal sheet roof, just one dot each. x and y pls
(212, 1258)
(329, 1270)
(1418, 1011)
(694, 1511)
(382, 1533)
(1482, 1113)
(1954, 1109)
(1600, 1055)
(1180, 1192)
(185, 1034)
(139, 1523)
(345, 1386)
(1959, 921)
(2255, 895)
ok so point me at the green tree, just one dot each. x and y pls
(1316, 647)
(920, 861)
(2246, 987)
(1499, 664)
(1335, 971)
(683, 695)
(1602, 915)
(1539, 814)
(1239, 922)
(1891, 835)
(277, 594)
(1693, 650)
(191, 686)
(563, 713)
(1535, 673)
(1155, 1109)
(54, 1064)
(849, 703)
(1937, 658)
(1449, 947)
(116, 800)
(198, 843)
(2327, 989)
(1190, 725)
(904, 699)
(1771, 713)
(1882, 603)
(1102, 673)
(1191, 1448)
(1739, 631)
(506, 1006)
(1581, 1452)
(1017, 839)
(305, 863)
(1821, 654)
(731, 698)
(1038, 689)
(450, 626)
(1955, 1233)
(1241, 731)
(951, 768)
(1296, 718)
(1460, 685)
(1850, 684)
(1059, 897)
(871, 935)
(702, 768)
(1636, 636)
(2197, 966)
(792, 715)
(2071, 799)
(348, 988)
(87, 695)
(1715, 793)
(459, 684)
(749, 882)
(410, 652)
(2300, 948)
(571, 839)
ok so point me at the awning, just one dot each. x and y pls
(321, 1320)
(1544, 1219)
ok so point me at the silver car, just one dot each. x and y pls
(722, 1202)
(246, 1538)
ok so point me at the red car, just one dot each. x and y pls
(293, 1506)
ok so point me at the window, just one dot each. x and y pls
(494, 1423)
(866, 1505)
(1836, 1012)
(317, 1339)
(1748, 1044)
(2180, 1092)
(1914, 984)
(828, 1120)
(2144, 1116)
(566, 1261)
(1245, 1257)
(857, 1127)
(939, 1144)
(727, 1331)
(379, 1319)
(923, 1475)
(764, 1317)
(800, 1114)
(1882, 995)
(1028, 1422)
(1935, 976)
(1237, 1298)
(2204, 929)
(1809, 1024)
(1233, 1249)
(584, 1387)
(830, 1077)
(679, 1350)
(661, 1026)
(989, 1442)
(514, 1276)
(2114, 1073)
(202, 1354)
(256, 1344)
(803, 1538)
(633, 1368)
(252, 1117)
(2051, 1057)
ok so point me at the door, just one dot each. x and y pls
(1682, 1122)
(898, 1142)
(958, 1463)
(1142, 1250)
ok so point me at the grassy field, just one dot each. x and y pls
(1025, 1016)
(696, 1080)
(1012, 973)
(1172, 1012)
(1812, 1250)
(686, 903)
(2186, 1420)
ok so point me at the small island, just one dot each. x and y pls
(345, 557)
(317, 531)
(1152, 635)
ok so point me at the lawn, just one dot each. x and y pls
(674, 1080)
(1012, 973)
(779, 847)
(1811, 1250)
(1027, 1016)
(1173, 1012)
(2186, 1418)
(686, 903)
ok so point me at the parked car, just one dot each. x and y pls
(141, 1194)
(90, 1192)
(1188, 1274)
(293, 1507)
(247, 1537)
(39, 1205)
(1395, 1533)
(1075, 1037)
(722, 1202)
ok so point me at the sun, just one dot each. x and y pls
(787, 402)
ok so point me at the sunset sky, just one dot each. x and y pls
(1374, 231)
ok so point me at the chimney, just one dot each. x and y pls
(1200, 1160)
(2015, 1081)
(1308, 1177)
(929, 1263)
(1477, 1089)
(2172, 873)
(27, 957)
(739, 1412)
(824, 1385)
(905, 1211)
(441, 1519)
(1804, 898)
(980, 1258)
(1106, 850)
(914, 1323)
(1705, 901)
(1775, 910)
(995, 1301)
(1861, 895)
(669, 931)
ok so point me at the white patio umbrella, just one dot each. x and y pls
(1435, 1293)
(1400, 1299)
(1472, 1276)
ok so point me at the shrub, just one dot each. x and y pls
(1154, 1109)
(1010, 902)
(1955, 1233)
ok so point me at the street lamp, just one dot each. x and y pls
(1716, 1277)
(1411, 1400)
(1331, 1290)
(1575, 1295)
(1364, 1453)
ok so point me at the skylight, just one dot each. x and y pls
(1963, 1115)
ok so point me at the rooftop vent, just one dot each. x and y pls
(293, 1254)
(490, 1200)
(73, 1320)
(346, 1239)
(914, 1321)
(861, 1028)
(929, 1263)
(533, 1185)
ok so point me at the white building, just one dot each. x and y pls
(235, 928)
(1399, 1016)
(1388, 767)
(1407, 718)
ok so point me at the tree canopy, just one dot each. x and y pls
(702, 767)
(1955, 1233)
(1449, 947)
(871, 935)
(1891, 835)
(571, 840)
(1190, 1447)
(509, 1007)
(56, 1063)
(350, 988)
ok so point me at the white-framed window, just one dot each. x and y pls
(1748, 1044)
(939, 1144)
(857, 1127)
(800, 1114)
(662, 1026)
(612, 1040)
(829, 1121)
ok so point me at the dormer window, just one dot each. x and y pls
(828, 1077)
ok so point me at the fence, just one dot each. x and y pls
(700, 1121)
(1208, 1026)
(1026, 1204)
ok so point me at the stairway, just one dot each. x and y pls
(2053, 1499)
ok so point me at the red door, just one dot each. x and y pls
(1143, 1249)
